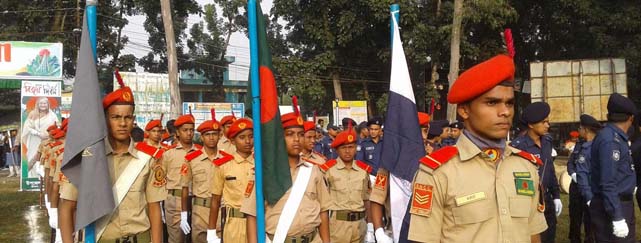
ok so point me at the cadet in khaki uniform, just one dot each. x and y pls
(138, 216)
(153, 133)
(482, 190)
(173, 159)
(44, 159)
(311, 221)
(230, 180)
(225, 143)
(349, 188)
(198, 175)
(55, 158)
(309, 141)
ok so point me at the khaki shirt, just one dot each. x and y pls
(472, 199)
(348, 186)
(200, 173)
(315, 158)
(173, 160)
(131, 216)
(231, 179)
(315, 201)
(225, 144)
(380, 190)
(55, 158)
(44, 155)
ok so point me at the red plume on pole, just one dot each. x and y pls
(295, 104)
(213, 114)
(509, 42)
(119, 78)
(190, 110)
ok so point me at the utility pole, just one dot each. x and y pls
(172, 60)
(455, 53)
(338, 92)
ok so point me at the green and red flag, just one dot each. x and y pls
(276, 176)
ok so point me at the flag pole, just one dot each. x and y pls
(92, 22)
(395, 9)
(255, 92)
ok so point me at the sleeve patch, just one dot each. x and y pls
(249, 188)
(160, 176)
(422, 200)
(184, 169)
(381, 181)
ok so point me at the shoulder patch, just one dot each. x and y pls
(191, 156)
(439, 157)
(226, 158)
(152, 151)
(329, 164)
(530, 157)
(364, 166)
(198, 146)
(309, 161)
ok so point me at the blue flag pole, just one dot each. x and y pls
(92, 23)
(255, 92)
(395, 9)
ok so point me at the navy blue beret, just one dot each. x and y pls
(620, 104)
(535, 112)
(589, 121)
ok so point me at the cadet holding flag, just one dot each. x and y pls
(482, 190)
(612, 176)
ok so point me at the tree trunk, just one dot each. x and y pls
(57, 18)
(455, 53)
(338, 92)
(172, 60)
(370, 111)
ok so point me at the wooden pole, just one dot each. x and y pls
(172, 60)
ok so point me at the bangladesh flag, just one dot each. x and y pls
(276, 176)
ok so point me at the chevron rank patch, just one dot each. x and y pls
(422, 200)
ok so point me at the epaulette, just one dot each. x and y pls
(530, 157)
(60, 151)
(56, 143)
(152, 151)
(364, 166)
(191, 156)
(198, 146)
(320, 155)
(439, 157)
(172, 146)
(309, 161)
(226, 158)
(329, 164)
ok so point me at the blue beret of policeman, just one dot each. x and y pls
(535, 112)
(436, 128)
(589, 121)
(458, 125)
(620, 104)
(332, 126)
(375, 121)
(346, 122)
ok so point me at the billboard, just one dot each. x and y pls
(151, 94)
(30, 60)
(40, 108)
(356, 110)
(202, 111)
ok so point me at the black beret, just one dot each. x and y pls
(346, 122)
(458, 125)
(589, 121)
(535, 112)
(620, 104)
(436, 128)
(375, 121)
(332, 126)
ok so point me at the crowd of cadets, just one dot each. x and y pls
(472, 185)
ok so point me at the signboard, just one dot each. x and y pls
(40, 108)
(151, 94)
(356, 110)
(202, 111)
(65, 105)
(30, 60)
(576, 87)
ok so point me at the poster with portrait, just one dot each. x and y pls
(40, 108)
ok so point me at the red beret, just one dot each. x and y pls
(239, 126)
(153, 123)
(165, 135)
(208, 125)
(227, 119)
(481, 78)
(121, 96)
(184, 119)
(574, 134)
(346, 137)
(423, 119)
(292, 119)
(309, 126)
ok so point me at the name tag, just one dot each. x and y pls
(460, 201)
(522, 174)
(230, 178)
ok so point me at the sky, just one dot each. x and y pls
(238, 44)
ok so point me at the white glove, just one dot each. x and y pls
(53, 217)
(573, 175)
(620, 228)
(162, 215)
(212, 237)
(589, 203)
(381, 237)
(369, 237)
(34, 132)
(635, 191)
(40, 170)
(58, 236)
(184, 224)
(558, 206)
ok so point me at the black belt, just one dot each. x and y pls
(130, 238)
(298, 239)
(345, 215)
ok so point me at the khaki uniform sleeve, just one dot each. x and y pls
(249, 204)
(426, 222)
(218, 182)
(55, 173)
(44, 159)
(537, 223)
(155, 190)
(322, 190)
(379, 190)
(186, 178)
(367, 187)
(68, 191)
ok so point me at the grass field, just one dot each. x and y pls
(21, 220)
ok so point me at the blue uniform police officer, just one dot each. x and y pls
(369, 150)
